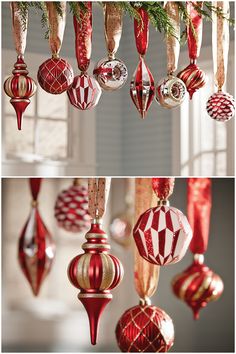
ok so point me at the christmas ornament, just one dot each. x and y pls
(162, 234)
(221, 105)
(95, 272)
(193, 77)
(36, 247)
(71, 208)
(20, 87)
(55, 75)
(111, 73)
(142, 87)
(85, 91)
(198, 284)
(171, 91)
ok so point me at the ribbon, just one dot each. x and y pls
(199, 212)
(113, 20)
(56, 26)
(173, 42)
(98, 190)
(163, 187)
(146, 274)
(220, 43)
(35, 184)
(83, 36)
(194, 36)
(18, 30)
(141, 31)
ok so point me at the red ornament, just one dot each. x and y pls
(20, 87)
(142, 88)
(145, 329)
(36, 246)
(71, 209)
(193, 77)
(95, 273)
(55, 75)
(197, 285)
(85, 92)
(221, 106)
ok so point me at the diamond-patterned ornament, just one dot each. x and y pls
(142, 89)
(85, 92)
(162, 235)
(145, 329)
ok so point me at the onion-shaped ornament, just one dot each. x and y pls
(221, 106)
(193, 77)
(170, 92)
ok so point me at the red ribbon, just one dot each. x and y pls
(194, 38)
(141, 31)
(83, 37)
(35, 187)
(199, 212)
(163, 187)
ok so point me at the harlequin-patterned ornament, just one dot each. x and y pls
(85, 92)
(95, 273)
(221, 106)
(197, 285)
(111, 74)
(162, 234)
(55, 75)
(142, 89)
(193, 77)
(20, 87)
(71, 209)
(145, 328)
(170, 92)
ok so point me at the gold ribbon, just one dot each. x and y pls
(56, 26)
(113, 20)
(220, 43)
(173, 42)
(146, 275)
(18, 30)
(98, 190)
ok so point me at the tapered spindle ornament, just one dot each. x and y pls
(36, 248)
(71, 208)
(20, 87)
(95, 273)
(55, 75)
(162, 234)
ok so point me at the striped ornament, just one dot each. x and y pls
(193, 77)
(197, 286)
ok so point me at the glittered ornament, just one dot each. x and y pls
(36, 247)
(145, 328)
(20, 87)
(221, 106)
(170, 92)
(197, 285)
(95, 273)
(193, 77)
(71, 208)
(121, 229)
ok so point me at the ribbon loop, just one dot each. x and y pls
(35, 184)
(19, 29)
(57, 23)
(113, 21)
(163, 187)
(98, 189)
(199, 212)
(141, 31)
(173, 42)
(194, 34)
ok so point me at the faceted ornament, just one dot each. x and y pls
(110, 74)
(197, 286)
(36, 250)
(162, 235)
(85, 92)
(170, 92)
(221, 106)
(145, 329)
(71, 209)
(55, 75)
(142, 89)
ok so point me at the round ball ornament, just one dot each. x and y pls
(193, 77)
(145, 328)
(197, 285)
(71, 209)
(85, 92)
(162, 234)
(121, 229)
(111, 74)
(221, 106)
(55, 75)
(170, 92)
